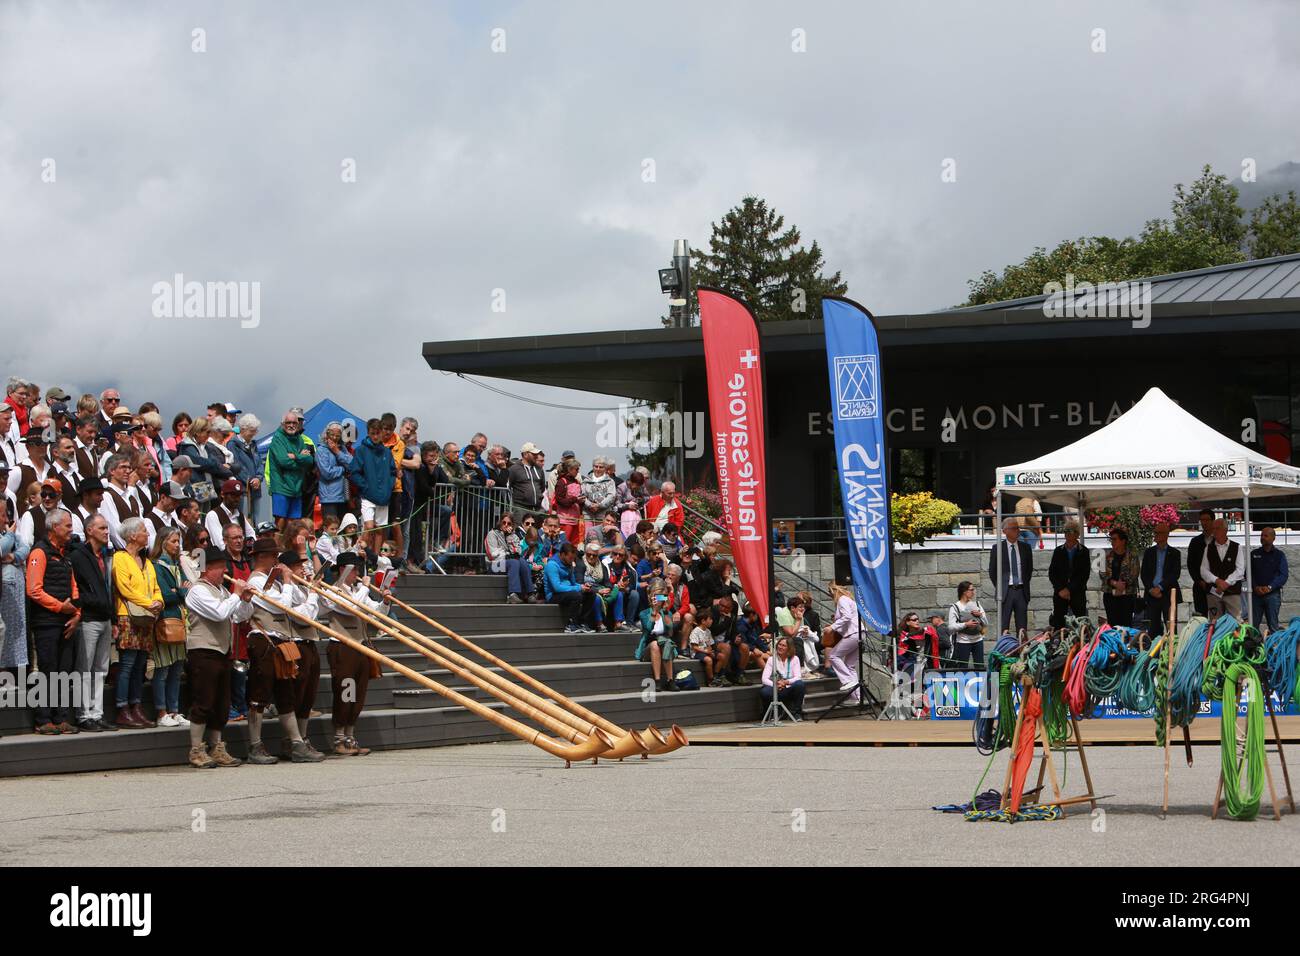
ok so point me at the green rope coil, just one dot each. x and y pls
(1233, 663)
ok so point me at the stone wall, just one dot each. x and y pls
(926, 581)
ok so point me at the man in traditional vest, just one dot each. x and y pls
(31, 526)
(163, 515)
(271, 628)
(33, 469)
(145, 471)
(1223, 569)
(227, 511)
(212, 612)
(350, 670)
(240, 568)
(91, 491)
(54, 616)
(119, 497)
(84, 443)
(65, 469)
(305, 601)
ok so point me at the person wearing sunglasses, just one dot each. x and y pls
(32, 524)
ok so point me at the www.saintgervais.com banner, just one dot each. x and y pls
(853, 360)
(733, 363)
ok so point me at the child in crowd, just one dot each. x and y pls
(702, 648)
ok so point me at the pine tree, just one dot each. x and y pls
(754, 256)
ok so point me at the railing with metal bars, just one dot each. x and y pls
(460, 517)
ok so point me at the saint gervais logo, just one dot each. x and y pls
(1033, 478)
(74, 909)
(1221, 470)
(856, 386)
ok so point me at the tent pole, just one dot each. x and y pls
(997, 555)
(1248, 592)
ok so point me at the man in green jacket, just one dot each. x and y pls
(289, 460)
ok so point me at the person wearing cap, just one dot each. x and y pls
(526, 483)
(32, 524)
(163, 515)
(228, 511)
(269, 629)
(183, 471)
(35, 467)
(212, 611)
(350, 670)
(288, 460)
(54, 615)
(91, 498)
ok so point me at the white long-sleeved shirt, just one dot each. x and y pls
(16, 474)
(216, 531)
(956, 626)
(232, 608)
(292, 596)
(1238, 573)
(108, 508)
(359, 592)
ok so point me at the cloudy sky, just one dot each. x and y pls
(523, 170)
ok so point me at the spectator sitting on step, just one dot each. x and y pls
(671, 540)
(803, 639)
(605, 534)
(750, 630)
(607, 603)
(702, 648)
(657, 645)
(726, 631)
(505, 556)
(783, 673)
(624, 577)
(652, 568)
(679, 602)
(563, 585)
(638, 543)
(551, 539)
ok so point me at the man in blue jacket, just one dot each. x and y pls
(1268, 575)
(563, 586)
(373, 469)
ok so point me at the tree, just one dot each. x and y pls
(1206, 230)
(1210, 206)
(754, 256)
(1275, 227)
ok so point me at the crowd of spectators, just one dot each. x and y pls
(104, 510)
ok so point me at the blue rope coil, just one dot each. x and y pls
(1280, 648)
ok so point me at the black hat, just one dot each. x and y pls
(265, 546)
(90, 484)
(350, 559)
(214, 555)
(291, 558)
(35, 437)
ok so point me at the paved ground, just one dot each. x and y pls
(509, 804)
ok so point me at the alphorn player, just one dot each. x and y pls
(350, 670)
(213, 611)
(270, 680)
(307, 602)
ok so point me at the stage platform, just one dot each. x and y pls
(869, 732)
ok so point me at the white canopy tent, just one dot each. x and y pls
(1154, 452)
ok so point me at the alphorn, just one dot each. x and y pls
(535, 708)
(597, 745)
(675, 739)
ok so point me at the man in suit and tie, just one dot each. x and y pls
(1017, 568)
(1195, 556)
(1069, 571)
(1161, 568)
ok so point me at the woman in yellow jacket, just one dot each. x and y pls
(139, 601)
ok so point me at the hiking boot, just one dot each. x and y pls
(358, 750)
(258, 755)
(199, 758)
(221, 756)
(342, 748)
(126, 719)
(302, 753)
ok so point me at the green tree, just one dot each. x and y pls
(1210, 206)
(1275, 227)
(753, 255)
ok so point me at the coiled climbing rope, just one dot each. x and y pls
(1233, 665)
(1280, 652)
